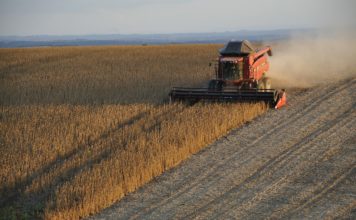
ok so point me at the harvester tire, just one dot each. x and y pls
(261, 85)
(212, 84)
(221, 85)
(216, 85)
(267, 83)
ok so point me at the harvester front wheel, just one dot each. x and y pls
(216, 85)
(267, 83)
(212, 84)
(261, 85)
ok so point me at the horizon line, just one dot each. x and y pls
(165, 33)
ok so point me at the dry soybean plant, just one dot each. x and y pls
(80, 127)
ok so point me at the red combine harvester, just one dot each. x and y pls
(240, 75)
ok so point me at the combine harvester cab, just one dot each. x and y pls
(240, 76)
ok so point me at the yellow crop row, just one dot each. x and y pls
(80, 127)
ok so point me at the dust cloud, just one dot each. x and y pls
(305, 61)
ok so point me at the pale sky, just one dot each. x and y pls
(77, 17)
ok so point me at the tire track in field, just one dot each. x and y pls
(277, 164)
(340, 187)
(336, 199)
(273, 144)
(324, 190)
(285, 179)
(206, 173)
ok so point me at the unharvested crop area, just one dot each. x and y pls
(80, 127)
